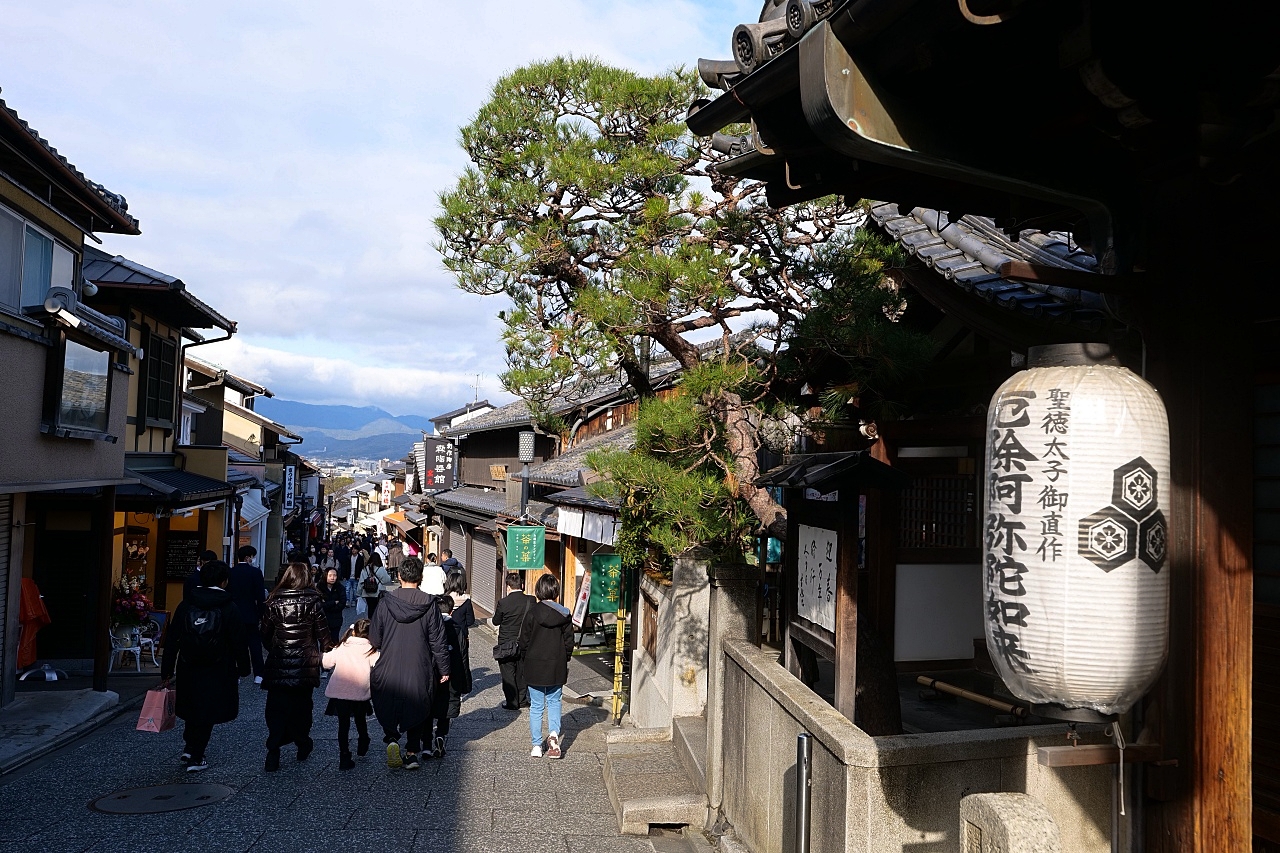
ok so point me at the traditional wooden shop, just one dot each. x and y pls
(1063, 173)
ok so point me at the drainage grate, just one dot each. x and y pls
(161, 798)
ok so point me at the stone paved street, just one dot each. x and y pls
(486, 794)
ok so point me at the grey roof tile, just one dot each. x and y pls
(969, 251)
(114, 201)
(567, 468)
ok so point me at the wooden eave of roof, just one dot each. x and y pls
(922, 107)
(37, 166)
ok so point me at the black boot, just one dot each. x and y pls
(304, 749)
(273, 761)
(346, 762)
(362, 745)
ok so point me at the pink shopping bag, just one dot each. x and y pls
(157, 711)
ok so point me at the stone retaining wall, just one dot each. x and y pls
(876, 795)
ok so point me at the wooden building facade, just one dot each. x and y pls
(1073, 172)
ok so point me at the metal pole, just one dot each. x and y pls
(804, 781)
(524, 490)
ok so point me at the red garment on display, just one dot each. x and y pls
(33, 616)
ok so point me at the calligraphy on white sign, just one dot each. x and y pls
(816, 593)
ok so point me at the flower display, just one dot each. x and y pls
(131, 606)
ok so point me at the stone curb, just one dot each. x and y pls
(72, 734)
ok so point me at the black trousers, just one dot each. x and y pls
(372, 604)
(513, 684)
(413, 736)
(344, 730)
(440, 726)
(255, 649)
(196, 737)
(288, 716)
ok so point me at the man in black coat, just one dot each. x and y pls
(507, 618)
(193, 579)
(413, 662)
(249, 593)
(206, 646)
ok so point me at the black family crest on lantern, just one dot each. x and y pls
(1132, 526)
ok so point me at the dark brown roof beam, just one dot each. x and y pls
(1072, 279)
(103, 212)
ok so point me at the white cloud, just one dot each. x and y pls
(284, 158)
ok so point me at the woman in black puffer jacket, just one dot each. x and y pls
(294, 630)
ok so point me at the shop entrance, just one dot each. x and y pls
(65, 568)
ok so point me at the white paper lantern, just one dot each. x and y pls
(1075, 533)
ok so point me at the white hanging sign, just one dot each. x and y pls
(290, 486)
(816, 592)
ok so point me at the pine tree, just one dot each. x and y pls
(590, 205)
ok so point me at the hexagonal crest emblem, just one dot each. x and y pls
(1108, 538)
(1153, 541)
(1134, 489)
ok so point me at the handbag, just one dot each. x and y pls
(158, 711)
(509, 650)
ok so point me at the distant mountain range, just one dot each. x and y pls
(347, 432)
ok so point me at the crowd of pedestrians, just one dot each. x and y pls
(404, 660)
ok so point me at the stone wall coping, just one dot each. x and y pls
(655, 589)
(848, 743)
(854, 747)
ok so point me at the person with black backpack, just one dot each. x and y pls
(375, 581)
(207, 647)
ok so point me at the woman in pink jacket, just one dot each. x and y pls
(348, 689)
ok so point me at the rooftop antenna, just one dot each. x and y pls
(477, 387)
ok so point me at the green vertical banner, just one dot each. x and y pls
(526, 548)
(608, 592)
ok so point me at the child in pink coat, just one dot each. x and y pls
(348, 689)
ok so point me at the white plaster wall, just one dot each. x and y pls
(938, 613)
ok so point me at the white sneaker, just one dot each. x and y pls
(257, 679)
(553, 745)
(536, 752)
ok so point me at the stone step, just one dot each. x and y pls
(689, 734)
(649, 787)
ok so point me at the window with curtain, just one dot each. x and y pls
(30, 263)
(10, 259)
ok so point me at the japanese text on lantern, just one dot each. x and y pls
(816, 581)
(1026, 504)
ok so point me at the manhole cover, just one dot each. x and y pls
(161, 798)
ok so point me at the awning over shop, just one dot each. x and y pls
(252, 512)
(171, 487)
(588, 525)
(401, 522)
(816, 469)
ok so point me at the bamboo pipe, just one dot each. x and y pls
(944, 687)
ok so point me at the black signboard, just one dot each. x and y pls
(180, 555)
(439, 465)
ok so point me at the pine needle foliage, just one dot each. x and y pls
(590, 206)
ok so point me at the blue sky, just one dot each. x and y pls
(284, 159)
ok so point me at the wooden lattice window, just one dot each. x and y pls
(939, 516)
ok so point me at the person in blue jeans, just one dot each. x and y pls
(546, 643)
